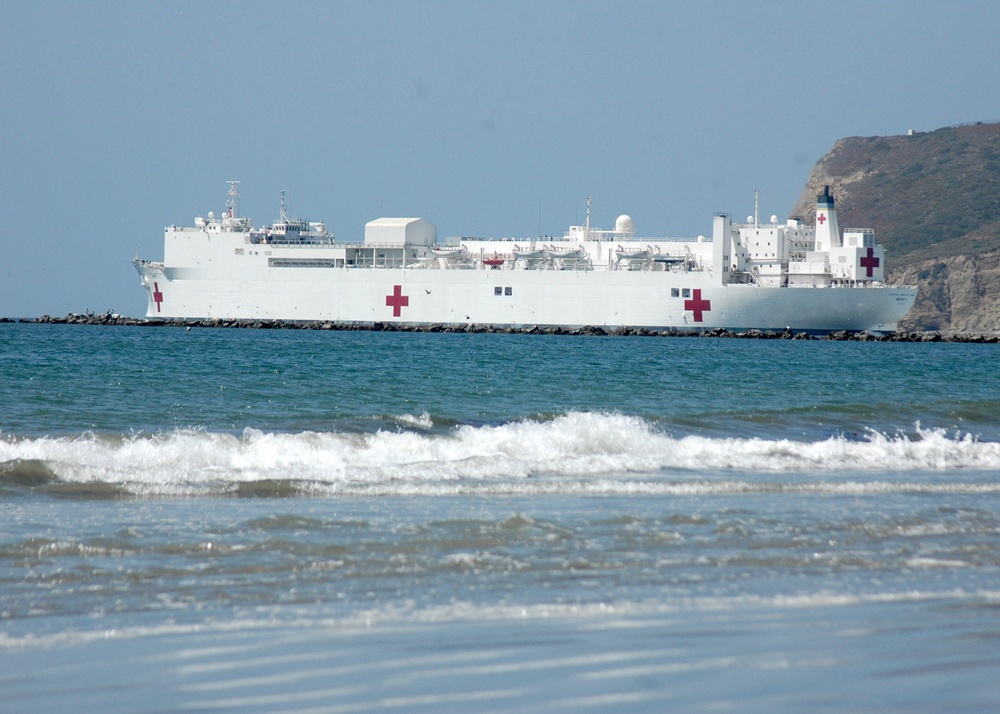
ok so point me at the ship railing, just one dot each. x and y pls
(301, 242)
(629, 238)
(848, 283)
(370, 262)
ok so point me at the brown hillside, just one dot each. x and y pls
(933, 199)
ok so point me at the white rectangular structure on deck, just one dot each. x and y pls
(398, 232)
(857, 263)
(764, 244)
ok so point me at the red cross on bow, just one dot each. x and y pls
(157, 296)
(821, 218)
(397, 300)
(870, 262)
(698, 306)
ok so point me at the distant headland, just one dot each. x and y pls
(933, 199)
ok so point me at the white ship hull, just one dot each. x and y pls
(399, 274)
(544, 297)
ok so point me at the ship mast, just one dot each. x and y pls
(233, 199)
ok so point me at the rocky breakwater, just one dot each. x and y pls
(840, 335)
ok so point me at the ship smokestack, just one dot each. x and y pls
(827, 228)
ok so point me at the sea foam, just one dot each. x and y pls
(575, 452)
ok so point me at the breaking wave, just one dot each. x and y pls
(581, 452)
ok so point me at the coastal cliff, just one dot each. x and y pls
(933, 199)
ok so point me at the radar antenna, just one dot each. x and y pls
(233, 199)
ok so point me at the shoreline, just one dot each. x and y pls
(838, 335)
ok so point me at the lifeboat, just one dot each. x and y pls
(450, 252)
(528, 253)
(632, 253)
(566, 253)
(669, 258)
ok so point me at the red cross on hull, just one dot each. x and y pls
(157, 296)
(397, 301)
(698, 306)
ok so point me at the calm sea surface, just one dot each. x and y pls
(298, 521)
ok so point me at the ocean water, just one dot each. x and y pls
(299, 521)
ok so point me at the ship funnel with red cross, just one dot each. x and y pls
(827, 230)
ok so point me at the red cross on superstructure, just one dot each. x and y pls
(397, 300)
(698, 306)
(821, 218)
(157, 296)
(870, 262)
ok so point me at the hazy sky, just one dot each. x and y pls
(490, 119)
